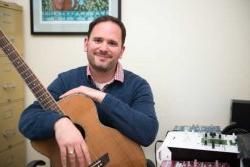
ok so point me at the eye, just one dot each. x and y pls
(97, 40)
(113, 43)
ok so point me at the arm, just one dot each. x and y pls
(37, 123)
(137, 120)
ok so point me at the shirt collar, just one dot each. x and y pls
(119, 73)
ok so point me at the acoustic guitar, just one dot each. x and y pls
(106, 145)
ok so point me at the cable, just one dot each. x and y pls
(158, 141)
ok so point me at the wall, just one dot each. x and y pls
(195, 54)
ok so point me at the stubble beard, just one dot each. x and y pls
(102, 69)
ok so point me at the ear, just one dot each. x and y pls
(122, 50)
(85, 44)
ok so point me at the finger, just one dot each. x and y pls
(72, 156)
(86, 153)
(80, 156)
(63, 156)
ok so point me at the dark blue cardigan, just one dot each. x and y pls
(127, 106)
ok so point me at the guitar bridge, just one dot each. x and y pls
(102, 161)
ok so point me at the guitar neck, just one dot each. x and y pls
(39, 91)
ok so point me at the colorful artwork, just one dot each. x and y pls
(69, 16)
(73, 10)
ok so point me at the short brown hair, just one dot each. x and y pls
(108, 18)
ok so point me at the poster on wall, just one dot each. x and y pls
(69, 16)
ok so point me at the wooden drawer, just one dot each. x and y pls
(11, 20)
(11, 24)
(11, 83)
(14, 156)
(5, 64)
(10, 92)
(9, 117)
(16, 41)
(11, 108)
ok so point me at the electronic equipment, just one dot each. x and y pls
(198, 128)
(241, 113)
(194, 163)
(187, 146)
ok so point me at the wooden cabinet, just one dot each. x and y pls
(12, 143)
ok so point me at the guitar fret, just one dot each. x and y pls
(44, 99)
(27, 73)
(5, 45)
(14, 60)
(29, 77)
(52, 106)
(2, 37)
(24, 71)
(12, 51)
(55, 108)
(33, 82)
(8, 48)
(19, 64)
(4, 42)
(40, 91)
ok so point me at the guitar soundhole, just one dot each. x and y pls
(80, 128)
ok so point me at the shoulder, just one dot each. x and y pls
(130, 76)
(76, 72)
(136, 80)
(137, 85)
(68, 80)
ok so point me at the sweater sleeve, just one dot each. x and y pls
(137, 120)
(37, 123)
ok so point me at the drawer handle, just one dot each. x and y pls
(9, 86)
(8, 133)
(7, 114)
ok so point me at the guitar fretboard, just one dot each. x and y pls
(39, 91)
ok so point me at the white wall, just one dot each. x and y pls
(194, 53)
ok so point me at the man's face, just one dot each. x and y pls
(104, 46)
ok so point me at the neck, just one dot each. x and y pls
(102, 77)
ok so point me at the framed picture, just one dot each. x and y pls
(57, 17)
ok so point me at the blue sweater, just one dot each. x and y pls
(127, 107)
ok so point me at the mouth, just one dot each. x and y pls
(104, 56)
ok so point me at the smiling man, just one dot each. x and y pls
(124, 100)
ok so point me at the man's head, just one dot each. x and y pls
(105, 44)
(105, 19)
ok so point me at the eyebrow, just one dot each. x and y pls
(109, 40)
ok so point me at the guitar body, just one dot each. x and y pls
(100, 139)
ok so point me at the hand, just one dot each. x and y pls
(71, 144)
(94, 94)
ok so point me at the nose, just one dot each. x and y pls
(104, 46)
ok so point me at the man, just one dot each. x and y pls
(124, 100)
